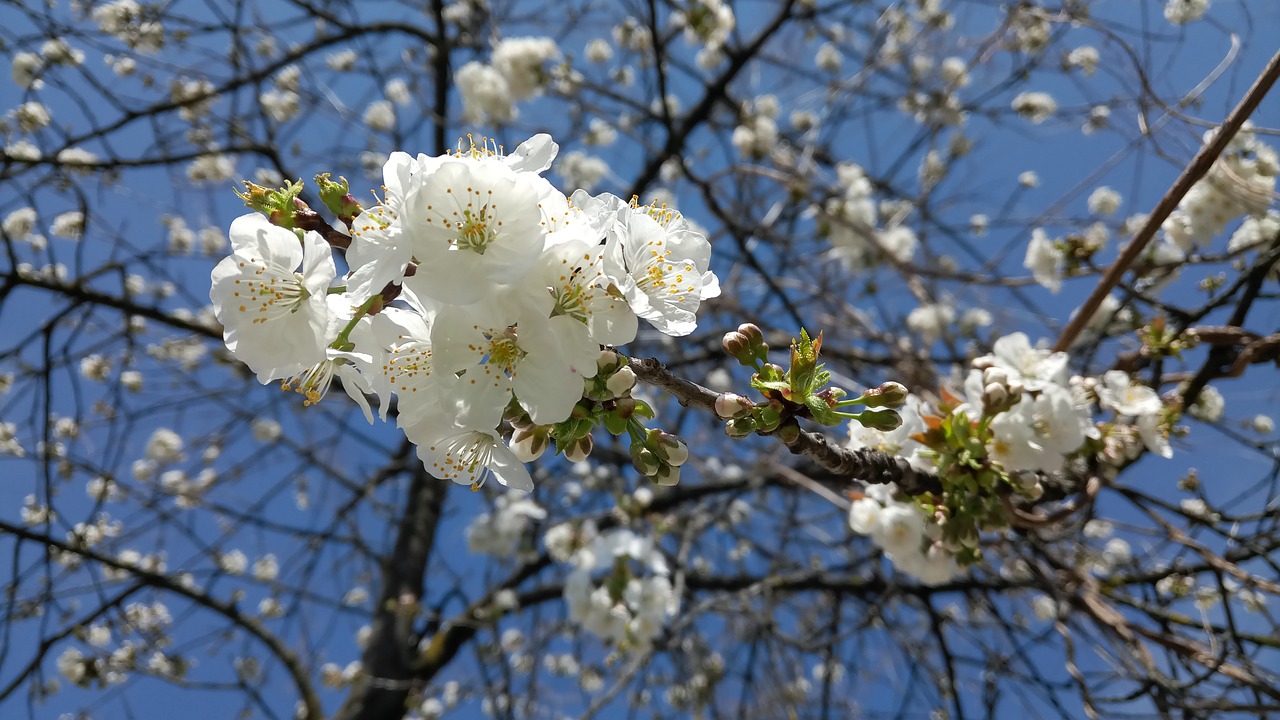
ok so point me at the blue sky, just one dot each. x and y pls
(266, 479)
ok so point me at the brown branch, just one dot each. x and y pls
(387, 662)
(1199, 166)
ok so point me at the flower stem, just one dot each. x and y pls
(342, 340)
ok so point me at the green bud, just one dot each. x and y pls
(624, 408)
(644, 461)
(337, 197)
(769, 371)
(887, 395)
(740, 427)
(277, 204)
(882, 420)
(788, 432)
(667, 475)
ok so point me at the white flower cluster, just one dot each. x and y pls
(509, 287)
(516, 73)
(1038, 416)
(707, 23)
(756, 137)
(852, 224)
(629, 605)
(1035, 106)
(499, 533)
(1047, 423)
(126, 20)
(1242, 182)
(900, 530)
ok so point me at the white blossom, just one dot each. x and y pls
(275, 319)
(68, 225)
(1181, 12)
(1104, 201)
(1035, 106)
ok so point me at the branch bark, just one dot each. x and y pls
(383, 687)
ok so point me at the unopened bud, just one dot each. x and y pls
(731, 405)
(773, 371)
(737, 346)
(644, 461)
(995, 375)
(995, 397)
(740, 427)
(579, 449)
(621, 382)
(1016, 388)
(528, 443)
(887, 395)
(676, 451)
(667, 475)
(608, 361)
(625, 407)
(982, 363)
(882, 420)
(753, 334)
(788, 432)
(337, 197)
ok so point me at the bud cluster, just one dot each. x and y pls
(659, 455)
(799, 391)
(999, 392)
(746, 345)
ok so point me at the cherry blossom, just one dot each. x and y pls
(270, 295)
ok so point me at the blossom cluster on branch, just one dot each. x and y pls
(504, 292)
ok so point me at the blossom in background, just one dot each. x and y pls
(1045, 261)
(1118, 392)
(499, 532)
(627, 607)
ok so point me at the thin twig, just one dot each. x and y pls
(1197, 169)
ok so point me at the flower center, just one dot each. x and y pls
(313, 382)
(477, 229)
(661, 276)
(571, 301)
(409, 369)
(270, 293)
(504, 350)
(465, 455)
